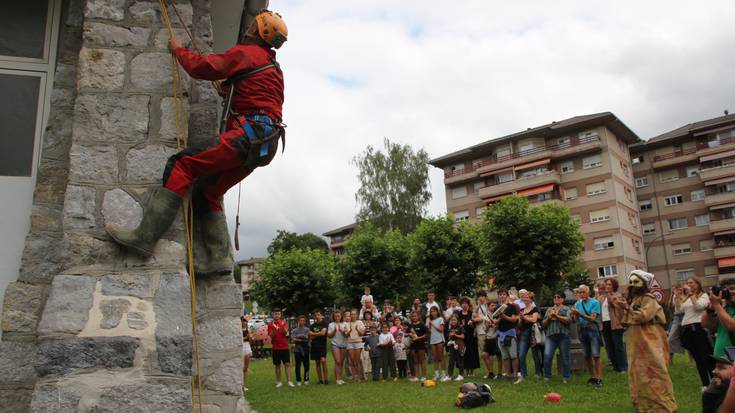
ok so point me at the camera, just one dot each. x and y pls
(725, 292)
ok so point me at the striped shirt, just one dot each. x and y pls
(556, 326)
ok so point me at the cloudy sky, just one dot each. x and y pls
(443, 78)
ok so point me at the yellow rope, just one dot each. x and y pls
(182, 138)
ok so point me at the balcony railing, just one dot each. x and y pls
(498, 159)
(716, 143)
(525, 177)
(675, 154)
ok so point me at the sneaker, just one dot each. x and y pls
(565, 381)
(413, 379)
(459, 378)
(423, 379)
(306, 383)
(436, 375)
(519, 380)
(290, 384)
(592, 380)
(340, 382)
(490, 376)
(446, 378)
(298, 383)
(598, 383)
(279, 384)
(395, 378)
(546, 379)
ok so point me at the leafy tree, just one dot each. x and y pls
(446, 257)
(376, 258)
(529, 246)
(394, 186)
(297, 280)
(287, 241)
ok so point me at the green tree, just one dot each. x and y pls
(297, 280)
(529, 246)
(394, 186)
(378, 259)
(287, 241)
(446, 257)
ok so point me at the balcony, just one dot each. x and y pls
(724, 251)
(573, 146)
(549, 177)
(675, 158)
(710, 147)
(722, 225)
(710, 174)
(719, 198)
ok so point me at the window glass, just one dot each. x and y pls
(607, 270)
(506, 177)
(23, 28)
(570, 193)
(648, 229)
(673, 200)
(459, 192)
(596, 188)
(693, 170)
(681, 249)
(641, 182)
(682, 275)
(479, 212)
(18, 109)
(567, 167)
(591, 161)
(645, 205)
(706, 245)
(604, 243)
(697, 195)
(678, 223)
(701, 219)
(461, 216)
(601, 215)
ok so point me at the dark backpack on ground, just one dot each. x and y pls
(474, 395)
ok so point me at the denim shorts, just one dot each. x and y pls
(355, 346)
(590, 339)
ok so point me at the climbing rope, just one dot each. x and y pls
(182, 142)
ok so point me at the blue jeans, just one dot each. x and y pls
(524, 344)
(560, 341)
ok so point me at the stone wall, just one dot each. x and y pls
(87, 325)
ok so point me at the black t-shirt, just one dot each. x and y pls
(504, 324)
(316, 327)
(526, 325)
(420, 330)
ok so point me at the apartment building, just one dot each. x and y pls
(685, 182)
(338, 237)
(582, 162)
(249, 272)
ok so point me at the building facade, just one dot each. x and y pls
(338, 237)
(582, 162)
(685, 181)
(249, 272)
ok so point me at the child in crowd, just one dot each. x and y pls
(407, 340)
(456, 347)
(367, 367)
(318, 336)
(300, 337)
(366, 296)
(436, 340)
(337, 331)
(419, 333)
(247, 351)
(396, 327)
(387, 361)
(371, 344)
(399, 352)
(278, 332)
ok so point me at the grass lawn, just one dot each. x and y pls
(407, 397)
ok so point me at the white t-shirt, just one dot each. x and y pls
(339, 339)
(365, 298)
(386, 338)
(482, 312)
(437, 337)
(605, 311)
(693, 312)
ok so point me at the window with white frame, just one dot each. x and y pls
(678, 223)
(479, 212)
(648, 228)
(591, 161)
(684, 274)
(504, 177)
(459, 192)
(607, 271)
(596, 189)
(673, 200)
(706, 245)
(477, 185)
(566, 167)
(638, 159)
(641, 182)
(681, 249)
(701, 220)
(693, 170)
(502, 151)
(645, 205)
(601, 215)
(461, 216)
(669, 176)
(697, 195)
(570, 193)
(603, 243)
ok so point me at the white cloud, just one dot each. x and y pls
(444, 78)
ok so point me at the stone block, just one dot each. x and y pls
(112, 312)
(65, 76)
(203, 32)
(161, 39)
(206, 93)
(66, 355)
(16, 400)
(222, 292)
(21, 308)
(175, 354)
(145, 165)
(75, 13)
(137, 321)
(46, 218)
(166, 253)
(227, 377)
(68, 304)
(107, 35)
(152, 72)
(172, 305)
(111, 118)
(168, 130)
(203, 126)
(185, 11)
(127, 284)
(105, 9)
(145, 12)
(42, 258)
(80, 207)
(118, 207)
(82, 249)
(220, 334)
(51, 182)
(16, 362)
(62, 98)
(55, 397)
(92, 164)
(101, 69)
(57, 136)
(160, 396)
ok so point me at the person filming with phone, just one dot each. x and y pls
(720, 316)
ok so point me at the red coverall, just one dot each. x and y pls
(259, 94)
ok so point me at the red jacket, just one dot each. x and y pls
(261, 93)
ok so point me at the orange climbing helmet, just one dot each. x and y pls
(271, 28)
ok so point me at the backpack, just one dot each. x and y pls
(474, 395)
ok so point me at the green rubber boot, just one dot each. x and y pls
(157, 218)
(214, 257)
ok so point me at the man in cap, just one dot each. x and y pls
(714, 394)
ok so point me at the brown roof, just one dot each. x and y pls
(553, 128)
(252, 260)
(346, 228)
(686, 131)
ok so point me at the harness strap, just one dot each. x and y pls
(227, 102)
